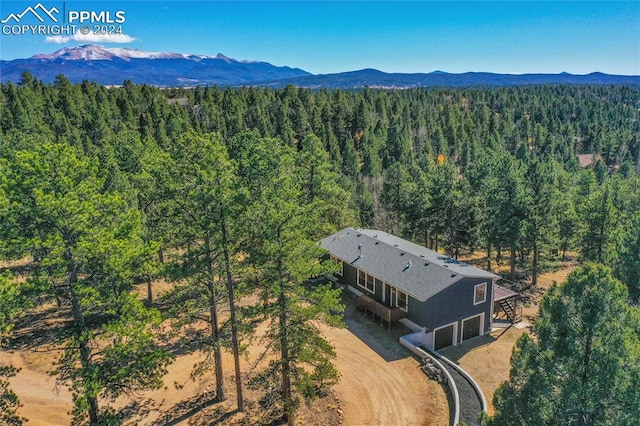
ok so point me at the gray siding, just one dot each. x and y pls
(350, 275)
(417, 311)
(453, 304)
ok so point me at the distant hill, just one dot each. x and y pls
(375, 78)
(111, 66)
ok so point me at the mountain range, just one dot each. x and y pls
(112, 66)
(378, 79)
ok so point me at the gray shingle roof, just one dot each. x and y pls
(414, 269)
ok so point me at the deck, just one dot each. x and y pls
(501, 293)
(385, 313)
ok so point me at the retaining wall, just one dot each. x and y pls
(408, 342)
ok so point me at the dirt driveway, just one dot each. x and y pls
(382, 383)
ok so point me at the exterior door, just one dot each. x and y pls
(443, 337)
(392, 296)
(471, 327)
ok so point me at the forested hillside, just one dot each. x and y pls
(226, 191)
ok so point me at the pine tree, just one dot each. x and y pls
(204, 190)
(597, 216)
(88, 243)
(13, 302)
(282, 254)
(627, 266)
(504, 207)
(540, 227)
(584, 368)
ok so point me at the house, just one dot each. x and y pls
(448, 301)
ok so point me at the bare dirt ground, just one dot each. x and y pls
(381, 383)
(533, 295)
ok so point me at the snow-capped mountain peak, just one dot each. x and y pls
(93, 52)
(113, 65)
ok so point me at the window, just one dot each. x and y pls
(479, 293)
(402, 300)
(366, 281)
(362, 279)
(338, 262)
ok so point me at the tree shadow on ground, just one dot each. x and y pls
(192, 410)
(19, 268)
(40, 327)
(380, 338)
(136, 409)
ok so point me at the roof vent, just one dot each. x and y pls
(453, 275)
(408, 265)
(446, 266)
(422, 255)
(402, 253)
(359, 250)
(377, 242)
(358, 235)
(426, 264)
(375, 236)
(395, 245)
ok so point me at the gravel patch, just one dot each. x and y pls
(470, 405)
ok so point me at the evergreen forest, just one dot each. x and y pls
(225, 192)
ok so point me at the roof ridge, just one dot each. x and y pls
(418, 251)
(412, 268)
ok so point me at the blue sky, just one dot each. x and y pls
(325, 37)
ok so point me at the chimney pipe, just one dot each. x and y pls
(359, 250)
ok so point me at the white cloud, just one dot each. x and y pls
(91, 38)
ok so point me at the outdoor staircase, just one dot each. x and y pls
(509, 308)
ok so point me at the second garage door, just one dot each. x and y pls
(471, 327)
